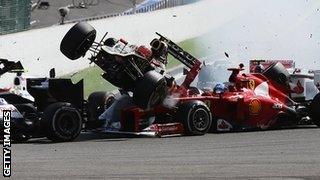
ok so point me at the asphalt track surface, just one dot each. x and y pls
(50, 16)
(276, 154)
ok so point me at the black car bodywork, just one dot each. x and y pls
(58, 112)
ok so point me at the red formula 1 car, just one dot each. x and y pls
(297, 98)
(160, 107)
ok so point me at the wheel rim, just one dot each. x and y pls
(66, 124)
(109, 102)
(200, 119)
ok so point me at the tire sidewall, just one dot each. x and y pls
(53, 114)
(187, 115)
(151, 87)
(98, 102)
(73, 43)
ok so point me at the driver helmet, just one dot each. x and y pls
(219, 88)
(110, 42)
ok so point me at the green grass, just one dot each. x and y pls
(192, 46)
(94, 82)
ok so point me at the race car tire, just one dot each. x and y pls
(315, 110)
(150, 90)
(98, 102)
(78, 40)
(62, 122)
(195, 116)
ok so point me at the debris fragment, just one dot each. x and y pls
(226, 54)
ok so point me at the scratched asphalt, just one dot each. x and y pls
(276, 154)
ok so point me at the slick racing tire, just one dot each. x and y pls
(62, 122)
(195, 116)
(315, 110)
(150, 90)
(78, 40)
(98, 102)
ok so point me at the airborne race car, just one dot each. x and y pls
(260, 101)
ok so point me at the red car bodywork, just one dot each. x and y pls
(250, 101)
(240, 107)
(247, 101)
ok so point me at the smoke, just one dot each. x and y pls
(171, 100)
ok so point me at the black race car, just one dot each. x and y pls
(58, 112)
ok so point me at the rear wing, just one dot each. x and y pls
(288, 64)
(47, 91)
(10, 66)
(178, 53)
(185, 58)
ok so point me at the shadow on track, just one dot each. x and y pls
(273, 129)
(108, 137)
(85, 136)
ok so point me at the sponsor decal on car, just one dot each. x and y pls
(251, 84)
(255, 107)
(165, 129)
(298, 89)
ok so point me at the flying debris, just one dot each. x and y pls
(226, 54)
